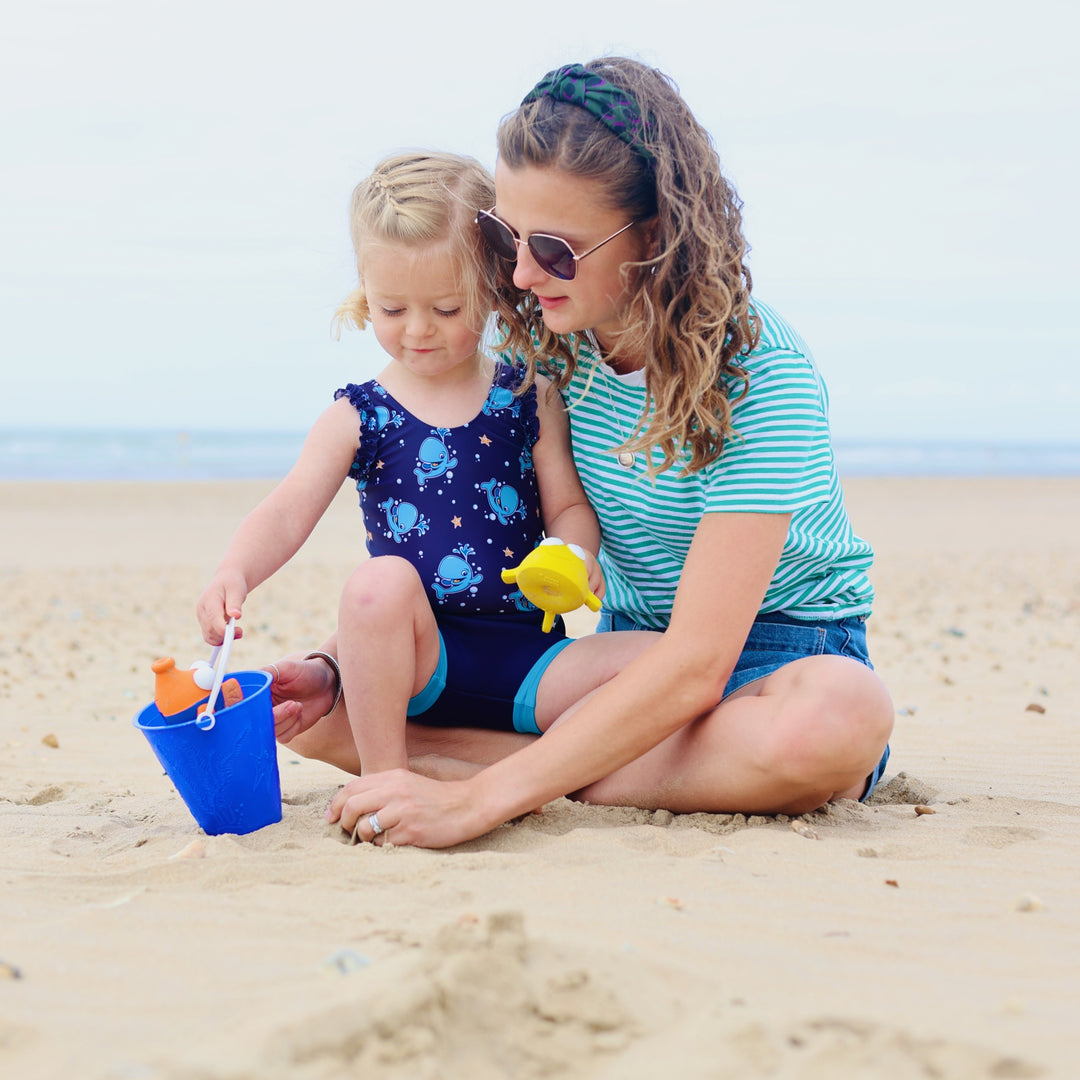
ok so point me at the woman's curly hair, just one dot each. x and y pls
(689, 303)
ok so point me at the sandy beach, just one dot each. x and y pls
(934, 932)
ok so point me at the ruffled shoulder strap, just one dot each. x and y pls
(508, 377)
(363, 398)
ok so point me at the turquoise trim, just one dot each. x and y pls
(435, 685)
(525, 698)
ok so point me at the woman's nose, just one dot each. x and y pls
(527, 273)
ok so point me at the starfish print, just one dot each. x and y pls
(508, 553)
(379, 464)
(456, 522)
(485, 440)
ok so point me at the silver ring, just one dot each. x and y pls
(373, 821)
(277, 674)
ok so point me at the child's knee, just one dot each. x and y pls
(385, 584)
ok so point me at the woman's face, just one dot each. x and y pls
(533, 200)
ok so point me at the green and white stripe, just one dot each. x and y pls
(780, 462)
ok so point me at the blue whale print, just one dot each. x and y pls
(504, 501)
(455, 573)
(501, 397)
(403, 517)
(434, 458)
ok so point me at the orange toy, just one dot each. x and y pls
(176, 690)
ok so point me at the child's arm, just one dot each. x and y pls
(563, 502)
(276, 529)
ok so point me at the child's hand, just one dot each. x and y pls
(597, 585)
(221, 600)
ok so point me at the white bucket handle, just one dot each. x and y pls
(219, 658)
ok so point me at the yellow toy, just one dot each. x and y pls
(553, 577)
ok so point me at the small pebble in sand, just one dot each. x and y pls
(9, 971)
(804, 830)
(344, 962)
(672, 902)
(195, 850)
(921, 809)
(1035, 707)
(1028, 902)
(50, 740)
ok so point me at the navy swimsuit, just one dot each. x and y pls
(461, 504)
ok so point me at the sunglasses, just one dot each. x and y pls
(551, 253)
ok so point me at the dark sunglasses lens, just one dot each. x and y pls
(498, 235)
(553, 256)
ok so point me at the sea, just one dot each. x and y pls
(232, 455)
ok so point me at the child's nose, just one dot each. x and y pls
(419, 324)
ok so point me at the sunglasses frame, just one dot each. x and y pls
(544, 263)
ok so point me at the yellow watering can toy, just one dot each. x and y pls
(553, 577)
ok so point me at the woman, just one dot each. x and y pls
(700, 432)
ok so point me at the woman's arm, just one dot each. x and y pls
(276, 529)
(727, 571)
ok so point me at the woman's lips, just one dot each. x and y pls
(548, 302)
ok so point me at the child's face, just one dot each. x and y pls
(417, 308)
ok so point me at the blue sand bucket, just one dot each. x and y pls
(223, 763)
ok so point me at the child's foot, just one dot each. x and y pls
(302, 692)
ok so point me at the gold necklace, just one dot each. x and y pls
(625, 458)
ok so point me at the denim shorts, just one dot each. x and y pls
(776, 639)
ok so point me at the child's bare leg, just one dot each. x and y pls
(584, 666)
(388, 649)
(302, 692)
(438, 767)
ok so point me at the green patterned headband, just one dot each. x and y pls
(614, 108)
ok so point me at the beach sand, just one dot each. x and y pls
(859, 941)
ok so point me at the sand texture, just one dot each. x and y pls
(934, 933)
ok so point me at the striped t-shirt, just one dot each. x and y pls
(780, 461)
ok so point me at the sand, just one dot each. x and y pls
(859, 941)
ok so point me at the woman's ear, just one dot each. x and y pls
(650, 234)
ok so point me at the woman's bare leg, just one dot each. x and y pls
(584, 666)
(809, 732)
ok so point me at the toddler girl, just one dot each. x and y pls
(460, 475)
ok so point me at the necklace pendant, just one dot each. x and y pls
(626, 459)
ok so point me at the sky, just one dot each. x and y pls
(175, 181)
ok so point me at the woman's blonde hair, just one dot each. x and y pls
(689, 301)
(419, 199)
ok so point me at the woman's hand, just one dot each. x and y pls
(301, 693)
(410, 809)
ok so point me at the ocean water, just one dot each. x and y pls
(230, 455)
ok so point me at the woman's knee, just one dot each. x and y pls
(834, 714)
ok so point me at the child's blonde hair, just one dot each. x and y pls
(689, 309)
(419, 199)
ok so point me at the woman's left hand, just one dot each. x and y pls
(409, 809)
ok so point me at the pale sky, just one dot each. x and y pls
(173, 227)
